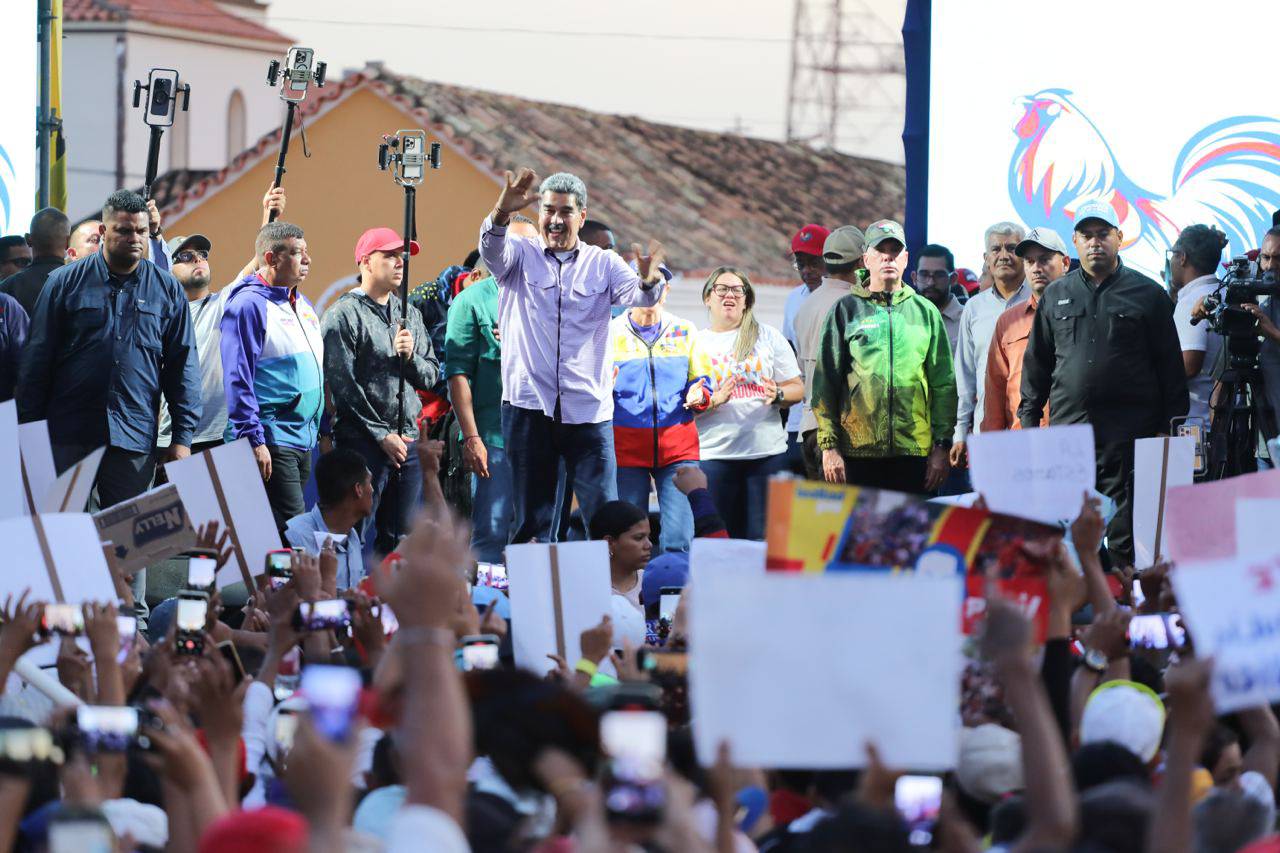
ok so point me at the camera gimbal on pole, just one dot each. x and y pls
(407, 156)
(299, 72)
(162, 107)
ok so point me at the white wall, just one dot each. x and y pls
(214, 71)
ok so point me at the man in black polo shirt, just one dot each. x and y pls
(1104, 350)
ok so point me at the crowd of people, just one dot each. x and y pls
(362, 694)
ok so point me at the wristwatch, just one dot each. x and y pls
(1095, 660)
(779, 397)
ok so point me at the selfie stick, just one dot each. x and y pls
(162, 101)
(298, 75)
(407, 156)
(31, 673)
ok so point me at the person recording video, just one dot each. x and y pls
(1193, 261)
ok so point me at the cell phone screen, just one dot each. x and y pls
(636, 743)
(478, 653)
(107, 728)
(65, 619)
(280, 563)
(332, 693)
(668, 602)
(919, 800)
(1148, 632)
(201, 572)
(192, 613)
(324, 615)
(127, 627)
(81, 836)
(286, 726)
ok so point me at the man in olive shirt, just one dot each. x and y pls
(1104, 350)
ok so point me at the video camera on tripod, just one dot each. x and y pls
(1227, 316)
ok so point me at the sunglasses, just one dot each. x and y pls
(189, 256)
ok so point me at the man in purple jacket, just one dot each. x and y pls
(554, 296)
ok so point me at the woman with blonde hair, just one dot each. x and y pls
(753, 375)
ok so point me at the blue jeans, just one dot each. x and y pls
(676, 518)
(740, 488)
(536, 445)
(491, 508)
(393, 512)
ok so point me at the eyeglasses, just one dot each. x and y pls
(21, 262)
(726, 290)
(189, 256)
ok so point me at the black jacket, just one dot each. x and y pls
(1106, 355)
(25, 285)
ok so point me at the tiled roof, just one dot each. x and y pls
(711, 198)
(197, 15)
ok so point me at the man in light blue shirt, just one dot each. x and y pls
(346, 500)
(978, 323)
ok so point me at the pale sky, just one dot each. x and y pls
(713, 64)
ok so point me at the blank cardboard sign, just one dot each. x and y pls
(557, 592)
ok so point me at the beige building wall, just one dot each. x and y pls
(339, 192)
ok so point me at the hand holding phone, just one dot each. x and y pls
(202, 569)
(635, 742)
(193, 614)
(330, 615)
(479, 651)
(333, 694)
(64, 619)
(919, 801)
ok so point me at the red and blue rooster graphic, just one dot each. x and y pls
(1227, 175)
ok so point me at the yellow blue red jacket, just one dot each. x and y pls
(651, 426)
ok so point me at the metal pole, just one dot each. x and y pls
(284, 151)
(43, 124)
(153, 160)
(410, 193)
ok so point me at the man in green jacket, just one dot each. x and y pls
(884, 390)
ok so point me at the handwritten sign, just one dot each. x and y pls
(1232, 609)
(1034, 473)
(1159, 464)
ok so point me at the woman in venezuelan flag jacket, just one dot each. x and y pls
(653, 430)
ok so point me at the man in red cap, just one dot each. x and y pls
(366, 340)
(806, 254)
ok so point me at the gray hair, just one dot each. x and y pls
(1002, 228)
(272, 237)
(564, 182)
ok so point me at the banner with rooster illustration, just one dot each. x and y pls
(1034, 110)
(18, 68)
(819, 527)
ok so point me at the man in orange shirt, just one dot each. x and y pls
(1045, 259)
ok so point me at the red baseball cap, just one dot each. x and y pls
(809, 240)
(382, 240)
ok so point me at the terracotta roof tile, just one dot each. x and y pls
(203, 15)
(711, 198)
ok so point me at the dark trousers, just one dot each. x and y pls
(894, 473)
(812, 455)
(536, 445)
(290, 470)
(395, 500)
(740, 488)
(1115, 480)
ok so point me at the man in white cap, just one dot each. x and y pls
(1104, 350)
(1044, 256)
(842, 259)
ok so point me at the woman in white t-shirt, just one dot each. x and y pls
(625, 527)
(753, 374)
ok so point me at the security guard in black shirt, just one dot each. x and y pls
(1104, 351)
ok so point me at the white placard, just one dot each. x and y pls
(37, 461)
(1159, 464)
(1232, 609)
(70, 492)
(583, 583)
(1041, 474)
(77, 555)
(321, 538)
(739, 555)
(244, 497)
(13, 502)
(802, 670)
(1256, 526)
(18, 162)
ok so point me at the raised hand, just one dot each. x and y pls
(596, 641)
(207, 537)
(649, 264)
(273, 202)
(1087, 529)
(20, 621)
(518, 192)
(424, 591)
(688, 478)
